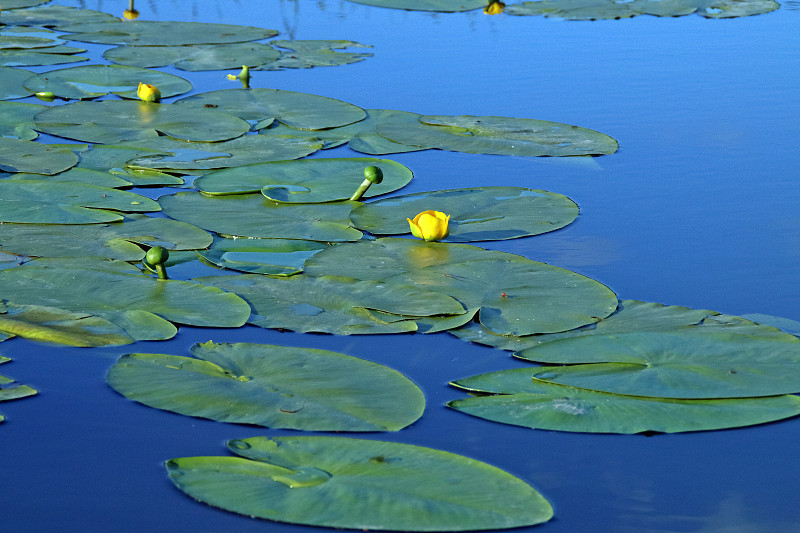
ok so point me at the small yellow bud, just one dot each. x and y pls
(148, 93)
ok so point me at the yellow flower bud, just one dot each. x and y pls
(148, 93)
(494, 8)
(130, 14)
(430, 225)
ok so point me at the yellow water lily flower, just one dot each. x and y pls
(494, 8)
(130, 14)
(430, 225)
(148, 93)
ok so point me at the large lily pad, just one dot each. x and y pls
(180, 156)
(272, 386)
(476, 214)
(16, 4)
(442, 6)
(496, 135)
(314, 53)
(113, 159)
(10, 390)
(51, 16)
(276, 257)
(609, 9)
(17, 155)
(56, 55)
(690, 363)
(306, 181)
(194, 57)
(11, 83)
(163, 33)
(512, 294)
(562, 408)
(252, 215)
(332, 304)
(143, 306)
(49, 202)
(263, 106)
(91, 81)
(16, 38)
(118, 240)
(16, 120)
(359, 484)
(113, 121)
(77, 175)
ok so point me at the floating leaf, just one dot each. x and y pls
(314, 53)
(608, 9)
(332, 304)
(299, 110)
(11, 83)
(359, 484)
(27, 156)
(307, 180)
(476, 214)
(16, 4)
(118, 240)
(50, 202)
(252, 215)
(56, 55)
(91, 81)
(496, 135)
(785, 324)
(27, 38)
(51, 16)
(163, 33)
(77, 175)
(113, 159)
(562, 408)
(16, 120)
(272, 386)
(113, 121)
(276, 257)
(194, 57)
(442, 6)
(10, 390)
(513, 294)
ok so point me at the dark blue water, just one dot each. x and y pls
(698, 208)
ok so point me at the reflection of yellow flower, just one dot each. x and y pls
(430, 225)
(494, 8)
(148, 93)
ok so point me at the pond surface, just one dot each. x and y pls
(698, 208)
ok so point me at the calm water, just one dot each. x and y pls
(698, 208)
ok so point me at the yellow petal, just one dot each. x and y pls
(432, 227)
(148, 93)
(415, 231)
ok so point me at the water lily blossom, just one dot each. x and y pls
(148, 93)
(494, 8)
(430, 225)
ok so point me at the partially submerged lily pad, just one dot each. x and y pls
(272, 386)
(163, 33)
(275, 257)
(252, 215)
(314, 53)
(476, 214)
(359, 484)
(11, 390)
(12, 83)
(307, 180)
(609, 9)
(337, 305)
(562, 408)
(263, 106)
(113, 121)
(496, 135)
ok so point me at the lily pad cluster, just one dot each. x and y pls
(11, 390)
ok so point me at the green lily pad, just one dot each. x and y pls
(252, 215)
(163, 33)
(441, 6)
(49, 202)
(77, 175)
(332, 304)
(180, 156)
(59, 326)
(16, 38)
(314, 53)
(17, 155)
(143, 306)
(476, 214)
(608, 10)
(512, 294)
(692, 363)
(562, 408)
(272, 386)
(785, 324)
(496, 135)
(91, 81)
(52, 16)
(16, 120)
(307, 180)
(16, 4)
(118, 240)
(194, 57)
(11, 83)
(113, 159)
(10, 390)
(263, 106)
(113, 121)
(58, 55)
(359, 484)
(275, 257)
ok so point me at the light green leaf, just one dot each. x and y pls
(359, 484)
(276, 257)
(195, 57)
(163, 33)
(315, 53)
(272, 386)
(11, 390)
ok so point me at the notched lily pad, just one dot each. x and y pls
(163, 33)
(194, 57)
(359, 484)
(314, 53)
(273, 386)
(275, 257)
(476, 214)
